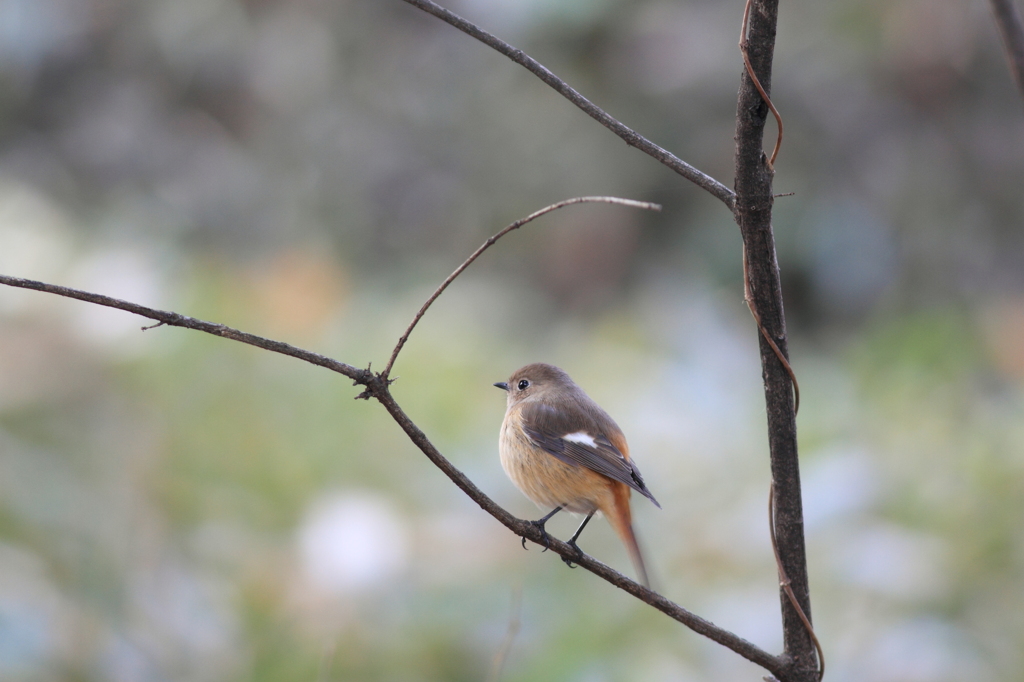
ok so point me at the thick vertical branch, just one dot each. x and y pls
(754, 216)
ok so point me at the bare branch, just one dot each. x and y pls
(776, 665)
(377, 387)
(1011, 28)
(757, 83)
(764, 291)
(490, 242)
(786, 585)
(631, 137)
(175, 320)
(749, 299)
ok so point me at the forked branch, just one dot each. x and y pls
(751, 206)
(377, 387)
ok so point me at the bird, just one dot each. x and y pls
(563, 451)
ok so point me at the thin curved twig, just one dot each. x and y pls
(784, 583)
(490, 242)
(630, 136)
(757, 83)
(377, 387)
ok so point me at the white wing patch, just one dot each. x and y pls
(581, 437)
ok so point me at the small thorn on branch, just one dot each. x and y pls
(153, 326)
(376, 383)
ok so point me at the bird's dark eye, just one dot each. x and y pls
(524, 384)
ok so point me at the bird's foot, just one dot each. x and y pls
(539, 525)
(579, 554)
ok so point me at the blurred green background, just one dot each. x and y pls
(175, 506)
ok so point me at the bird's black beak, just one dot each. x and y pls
(502, 385)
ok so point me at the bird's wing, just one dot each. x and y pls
(581, 446)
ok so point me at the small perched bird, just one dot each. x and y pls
(563, 451)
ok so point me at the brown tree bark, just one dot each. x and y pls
(753, 186)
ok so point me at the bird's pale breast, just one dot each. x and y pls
(544, 478)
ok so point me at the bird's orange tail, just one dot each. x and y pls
(620, 519)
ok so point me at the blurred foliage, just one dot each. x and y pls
(178, 507)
